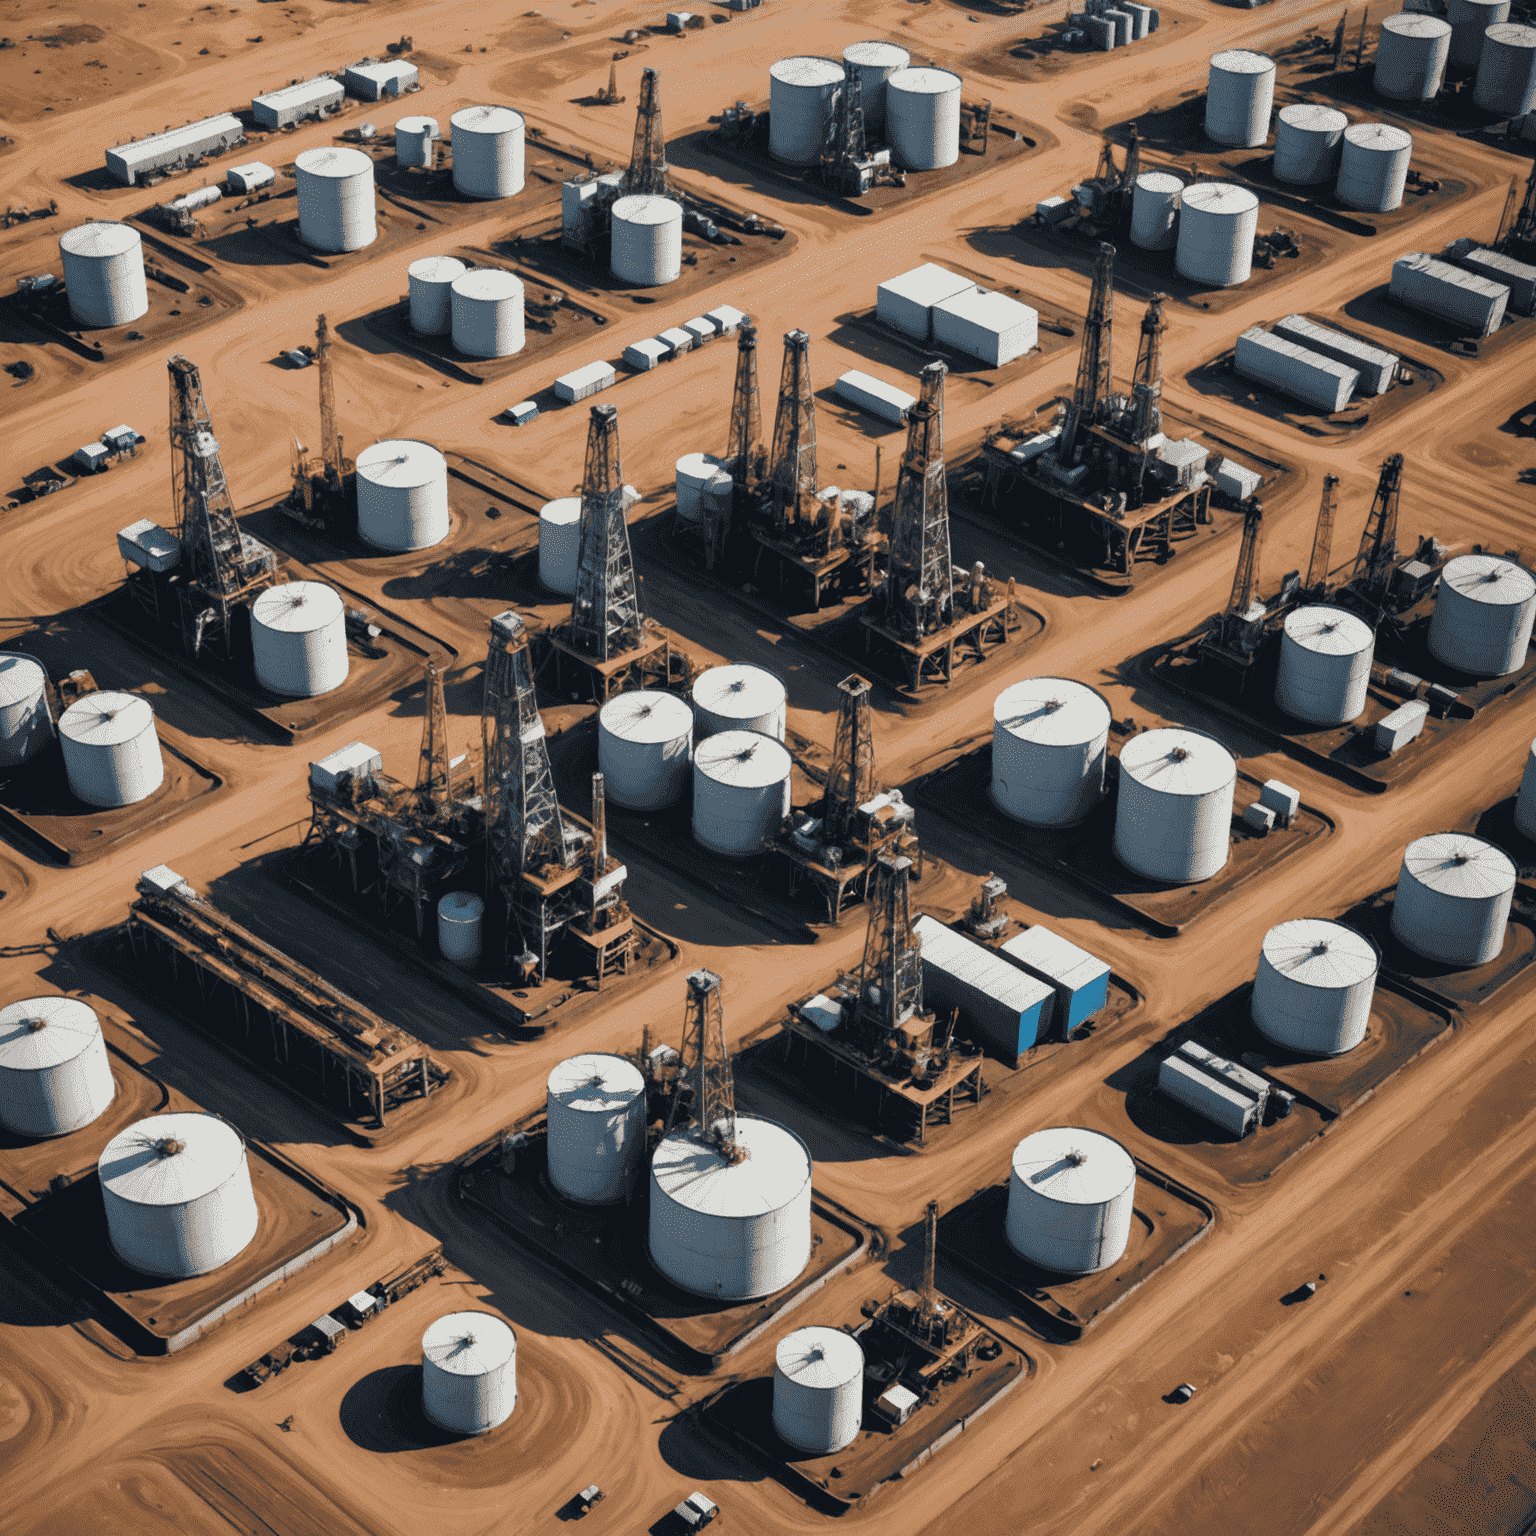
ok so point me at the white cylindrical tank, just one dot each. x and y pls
(299, 639)
(1525, 804)
(732, 1231)
(818, 1390)
(922, 118)
(460, 916)
(431, 281)
(694, 471)
(1411, 57)
(875, 62)
(487, 310)
(487, 151)
(1325, 665)
(1048, 741)
(1483, 613)
(1470, 20)
(740, 792)
(111, 752)
(1373, 166)
(336, 211)
(1070, 1198)
(1155, 210)
(596, 1109)
(414, 138)
(104, 273)
(1239, 96)
(402, 495)
(177, 1190)
(1312, 992)
(26, 726)
(1308, 140)
(738, 697)
(1217, 223)
(1173, 812)
(647, 244)
(799, 107)
(468, 1373)
(645, 748)
(559, 544)
(1453, 898)
(55, 1075)
(1506, 71)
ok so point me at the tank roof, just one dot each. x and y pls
(1488, 579)
(1510, 34)
(776, 1168)
(594, 1083)
(99, 238)
(1381, 137)
(486, 120)
(924, 81)
(1242, 61)
(1313, 117)
(1073, 1166)
(1415, 24)
(415, 124)
(41, 1032)
(297, 607)
(1318, 953)
(1177, 761)
(489, 283)
(171, 1159)
(334, 160)
(742, 759)
(1051, 711)
(1459, 865)
(469, 1343)
(21, 678)
(876, 51)
(1219, 197)
(806, 69)
(820, 1358)
(1160, 181)
(647, 715)
(1328, 631)
(646, 208)
(401, 462)
(105, 719)
(563, 511)
(460, 904)
(738, 691)
(436, 269)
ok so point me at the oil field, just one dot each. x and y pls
(895, 887)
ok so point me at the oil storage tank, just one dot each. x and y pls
(1482, 617)
(874, 62)
(1506, 71)
(402, 495)
(1525, 804)
(740, 792)
(414, 138)
(596, 1110)
(55, 1075)
(738, 697)
(1155, 210)
(468, 1373)
(1325, 665)
(733, 1231)
(818, 1390)
(431, 281)
(336, 211)
(647, 241)
(1453, 898)
(487, 151)
(1373, 167)
(1048, 741)
(559, 544)
(1217, 223)
(1470, 20)
(177, 1191)
(299, 639)
(460, 926)
(26, 726)
(104, 273)
(1071, 1194)
(487, 313)
(1411, 57)
(1313, 989)
(645, 749)
(111, 751)
(693, 472)
(1308, 141)
(1173, 810)
(1239, 95)
(922, 118)
(800, 91)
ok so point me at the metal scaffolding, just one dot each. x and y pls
(919, 583)
(705, 1096)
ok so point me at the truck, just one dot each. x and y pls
(696, 1511)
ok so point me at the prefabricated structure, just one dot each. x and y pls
(732, 1231)
(1002, 1007)
(55, 1075)
(111, 751)
(293, 103)
(818, 1388)
(739, 697)
(559, 544)
(922, 118)
(1239, 95)
(1313, 989)
(881, 400)
(1276, 361)
(178, 1197)
(521, 413)
(1411, 56)
(1079, 980)
(1235, 481)
(1173, 810)
(800, 92)
(431, 280)
(584, 382)
(1155, 210)
(986, 325)
(250, 177)
(487, 313)
(906, 302)
(336, 208)
(149, 546)
(1404, 724)
(1518, 276)
(1506, 71)
(1471, 303)
(415, 140)
(90, 458)
(1373, 166)
(1217, 223)
(402, 495)
(1325, 665)
(645, 354)
(740, 792)
(104, 273)
(727, 318)
(1049, 736)
(376, 79)
(645, 749)
(1071, 1200)
(1308, 141)
(1229, 1096)
(676, 340)
(1470, 20)
(487, 151)
(468, 1373)
(460, 928)
(1453, 898)
(874, 63)
(26, 721)
(1376, 369)
(299, 639)
(1483, 614)
(596, 1143)
(646, 248)
(174, 147)
(1525, 803)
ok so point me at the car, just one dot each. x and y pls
(696, 1511)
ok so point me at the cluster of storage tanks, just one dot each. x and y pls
(481, 308)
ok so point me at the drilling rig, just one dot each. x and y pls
(704, 1097)
(1239, 633)
(848, 166)
(647, 174)
(319, 494)
(1319, 565)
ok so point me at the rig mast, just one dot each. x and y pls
(1094, 367)
(648, 161)
(605, 616)
(1322, 540)
(706, 1093)
(919, 584)
(792, 466)
(891, 979)
(851, 778)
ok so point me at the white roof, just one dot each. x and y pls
(139, 1164)
(106, 719)
(417, 125)
(436, 269)
(460, 905)
(1488, 579)
(1072, 1166)
(696, 467)
(1299, 325)
(646, 716)
(20, 678)
(701, 326)
(1160, 181)
(347, 759)
(1219, 197)
(588, 373)
(805, 69)
(899, 1397)
(738, 691)
(1313, 117)
(927, 284)
(334, 160)
(562, 512)
(1413, 24)
(1242, 61)
(742, 759)
(98, 238)
(383, 70)
(867, 383)
(1059, 958)
(490, 284)
(820, 1358)
(775, 1170)
(992, 310)
(649, 346)
(252, 170)
(594, 1083)
(1051, 712)
(1458, 864)
(1382, 138)
(884, 55)
(68, 1027)
(297, 607)
(675, 336)
(978, 966)
(321, 88)
(646, 208)
(486, 120)
(200, 132)
(1512, 35)
(1443, 271)
(1320, 954)
(1177, 761)
(923, 82)
(1328, 631)
(401, 462)
(726, 316)
(469, 1343)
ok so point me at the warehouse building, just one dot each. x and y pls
(376, 79)
(1377, 368)
(176, 147)
(1304, 375)
(294, 103)
(1002, 1007)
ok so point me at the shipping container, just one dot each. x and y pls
(875, 396)
(1307, 376)
(1207, 1096)
(1001, 1006)
(1079, 980)
(1377, 368)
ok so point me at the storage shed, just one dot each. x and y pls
(1079, 980)
(1001, 1006)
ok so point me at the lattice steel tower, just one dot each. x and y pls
(920, 583)
(792, 464)
(605, 616)
(1378, 541)
(1095, 363)
(891, 979)
(744, 448)
(648, 161)
(851, 778)
(706, 1094)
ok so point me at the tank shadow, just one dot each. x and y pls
(381, 1412)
